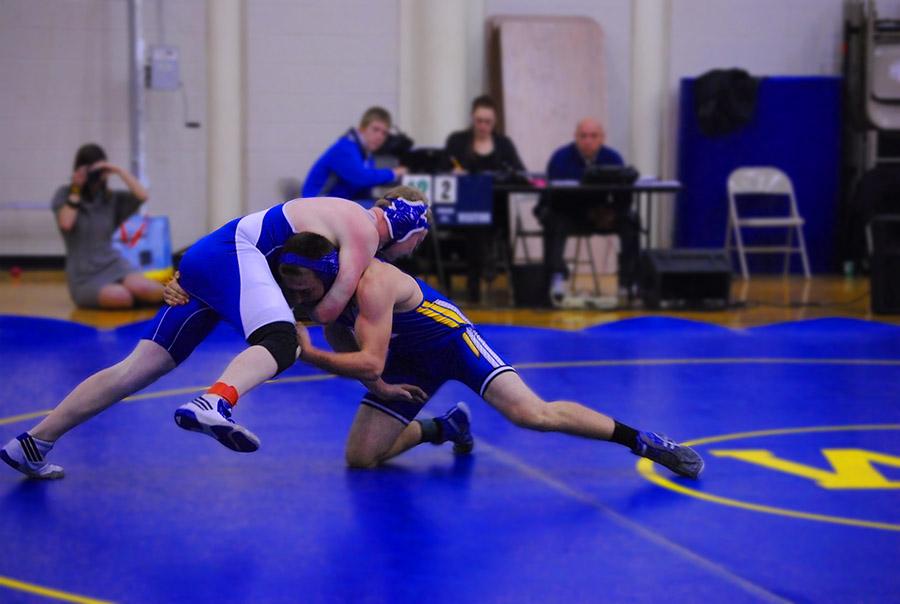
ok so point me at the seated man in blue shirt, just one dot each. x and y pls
(347, 168)
(569, 163)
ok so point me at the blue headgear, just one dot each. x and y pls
(325, 268)
(405, 218)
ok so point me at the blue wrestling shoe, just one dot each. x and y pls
(200, 415)
(666, 452)
(26, 454)
(457, 428)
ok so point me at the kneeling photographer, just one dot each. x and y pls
(88, 214)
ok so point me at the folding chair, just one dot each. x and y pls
(766, 181)
(582, 240)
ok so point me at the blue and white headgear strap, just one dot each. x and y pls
(405, 218)
(325, 268)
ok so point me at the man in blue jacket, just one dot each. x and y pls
(569, 163)
(347, 169)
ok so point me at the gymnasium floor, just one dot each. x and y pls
(798, 421)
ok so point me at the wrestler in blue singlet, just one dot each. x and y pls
(229, 275)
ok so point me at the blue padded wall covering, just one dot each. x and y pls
(797, 128)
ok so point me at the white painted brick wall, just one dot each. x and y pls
(312, 69)
(64, 65)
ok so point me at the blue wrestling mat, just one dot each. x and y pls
(799, 424)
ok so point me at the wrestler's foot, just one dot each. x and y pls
(664, 451)
(213, 417)
(457, 428)
(26, 454)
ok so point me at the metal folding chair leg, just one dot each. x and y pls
(590, 249)
(577, 261)
(787, 253)
(803, 256)
(742, 258)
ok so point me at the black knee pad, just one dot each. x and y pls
(280, 339)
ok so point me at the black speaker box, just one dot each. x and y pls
(885, 264)
(531, 285)
(685, 278)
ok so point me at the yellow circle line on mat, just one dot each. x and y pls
(56, 594)
(62, 595)
(548, 365)
(163, 393)
(645, 466)
(711, 361)
(646, 469)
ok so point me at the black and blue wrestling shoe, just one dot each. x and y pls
(666, 452)
(457, 428)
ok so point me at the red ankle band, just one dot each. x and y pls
(229, 393)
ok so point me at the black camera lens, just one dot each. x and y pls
(93, 177)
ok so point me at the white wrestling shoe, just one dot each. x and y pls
(26, 454)
(200, 415)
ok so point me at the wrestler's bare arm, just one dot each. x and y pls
(352, 230)
(375, 301)
(355, 251)
(342, 339)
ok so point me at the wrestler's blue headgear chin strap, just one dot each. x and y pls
(325, 268)
(405, 218)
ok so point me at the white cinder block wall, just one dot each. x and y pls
(64, 68)
(311, 67)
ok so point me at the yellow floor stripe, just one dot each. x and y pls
(647, 469)
(171, 392)
(549, 365)
(48, 593)
(784, 431)
(715, 568)
(67, 597)
(723, 361)
(644, 467)
(191, 389)
(507, 458)
(19, 418)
